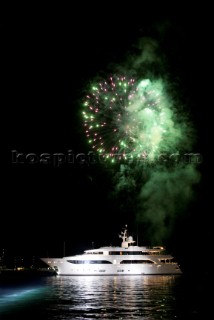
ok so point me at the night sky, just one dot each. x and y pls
(49, 57)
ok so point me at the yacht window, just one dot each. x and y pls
(136, 261)
(89, 261)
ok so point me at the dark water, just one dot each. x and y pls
(107, 297)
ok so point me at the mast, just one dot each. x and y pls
(126, 240)
(123, 234)
(64, 249)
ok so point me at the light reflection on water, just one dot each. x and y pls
(14, 298)
(126, 297)
(94, 297)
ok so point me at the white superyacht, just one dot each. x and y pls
(128, 259)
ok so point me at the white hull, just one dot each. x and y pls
(65, 268)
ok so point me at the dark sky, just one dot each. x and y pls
(49, 56)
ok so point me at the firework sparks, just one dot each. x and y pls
(125, 118)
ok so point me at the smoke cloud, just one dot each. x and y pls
(157, 193)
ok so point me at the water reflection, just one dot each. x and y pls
(112, 297)
(105, 297)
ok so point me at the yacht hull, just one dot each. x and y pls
(62, 267)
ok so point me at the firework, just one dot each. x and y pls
(125, 118)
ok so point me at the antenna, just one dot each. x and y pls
(137, 235)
